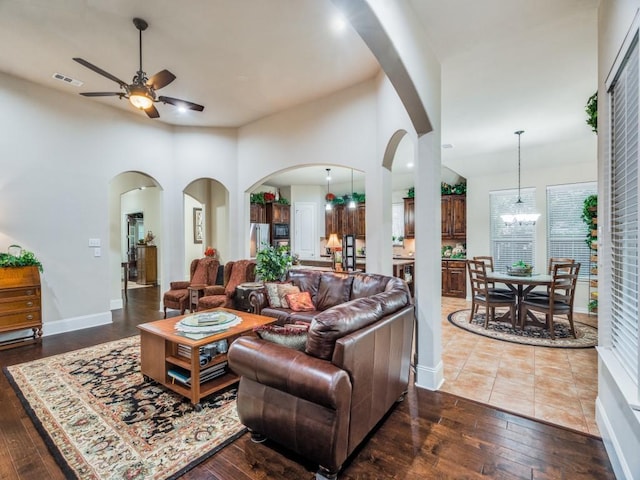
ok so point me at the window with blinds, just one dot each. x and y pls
(566, 231)
(623, 191)
(511, 243)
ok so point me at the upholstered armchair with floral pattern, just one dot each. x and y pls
(235, 273)
(203, 271)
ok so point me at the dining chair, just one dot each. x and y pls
(482, 295)
(560, 300)
(488, 261)
(552, 262)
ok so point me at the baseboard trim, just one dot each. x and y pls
(430, 378)
(76, 323)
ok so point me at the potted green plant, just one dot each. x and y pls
(272, 263)
(24, 259)
(592, 112)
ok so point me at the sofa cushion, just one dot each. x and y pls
(334, 289)
(299, 317)
(392, 301)
(300, 302)
(341, 320)
(292, 335)
(306, 280)
(368, 284)
(282, 314)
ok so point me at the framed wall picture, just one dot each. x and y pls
(197, 225)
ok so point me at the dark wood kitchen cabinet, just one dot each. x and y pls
(409, 218)
(454, 217)
(343, 220)
(278, 213)
(257, 213)
(454, 278)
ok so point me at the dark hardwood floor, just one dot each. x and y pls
(430, 435)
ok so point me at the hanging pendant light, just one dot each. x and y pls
(352, 202)
(329, 196)
(519, 216)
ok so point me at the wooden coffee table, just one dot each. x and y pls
(162, 348)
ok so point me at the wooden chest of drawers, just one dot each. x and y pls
(20, 306)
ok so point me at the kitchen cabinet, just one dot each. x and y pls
(361, 220)
(404, 269)
(278, 213)
(147, 265)
(454, 278)
(343, 220)
(409, 218)
(257, 213)
(454, 217)
(20, 306)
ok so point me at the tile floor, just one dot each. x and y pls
(557, 385)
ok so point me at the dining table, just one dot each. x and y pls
(521, 285)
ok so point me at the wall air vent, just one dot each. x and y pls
(69, 80)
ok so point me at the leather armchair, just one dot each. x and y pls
(322, 402)
(203, 271)
(235, 273)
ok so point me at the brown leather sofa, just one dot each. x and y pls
(322, 402)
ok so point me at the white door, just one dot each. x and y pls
(305, 240)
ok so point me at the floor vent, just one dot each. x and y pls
(65, 79)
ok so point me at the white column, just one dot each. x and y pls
(429, 367)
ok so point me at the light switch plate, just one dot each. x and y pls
(97, 252)
(94, 242)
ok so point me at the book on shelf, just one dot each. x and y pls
(183, 375)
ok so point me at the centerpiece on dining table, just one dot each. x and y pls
(520, 269)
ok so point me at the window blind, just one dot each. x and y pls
(566, 231)
(623, 190)
(511, 243)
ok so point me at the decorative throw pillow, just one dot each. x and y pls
(300, 302)
(272, 294)
(285, 289)
(292, 336)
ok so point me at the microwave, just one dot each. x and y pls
(280, 231)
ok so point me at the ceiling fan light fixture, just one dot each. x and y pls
(139, 97)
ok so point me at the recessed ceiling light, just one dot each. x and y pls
(338, 23)
(410, 164)
(447, 145)
(182, 109)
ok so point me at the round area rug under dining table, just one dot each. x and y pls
(531, 335)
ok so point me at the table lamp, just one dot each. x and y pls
(332, 244)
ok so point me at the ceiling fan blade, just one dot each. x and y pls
(98, 70)
(102, 94)
(152, 112)
(161, 79)
(181, 103)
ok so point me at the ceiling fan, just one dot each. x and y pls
(142, 91)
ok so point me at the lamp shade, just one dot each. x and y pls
(333, 241)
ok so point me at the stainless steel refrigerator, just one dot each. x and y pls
(259, 238)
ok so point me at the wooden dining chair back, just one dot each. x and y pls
(488, 261)
(481, 294)
(552, 262)
(560, 299)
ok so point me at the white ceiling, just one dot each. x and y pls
(506, 64)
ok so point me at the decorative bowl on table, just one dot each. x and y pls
(519, 271)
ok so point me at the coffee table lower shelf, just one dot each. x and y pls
(158, 354)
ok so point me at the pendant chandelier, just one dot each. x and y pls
(352, 202)
(518, 216)
(329, 196)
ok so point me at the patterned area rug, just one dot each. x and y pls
(101, 420)
(531, 335)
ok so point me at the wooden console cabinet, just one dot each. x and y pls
(147, 265)
(20, 306)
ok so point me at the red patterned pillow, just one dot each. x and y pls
(300, 302)
(292, 336)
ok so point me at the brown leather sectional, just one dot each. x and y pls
(322, 403)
